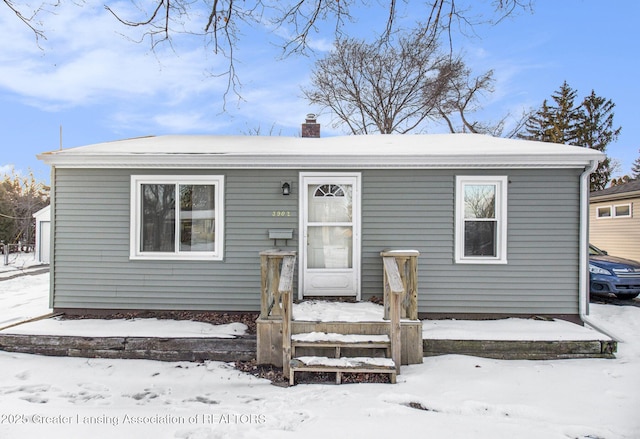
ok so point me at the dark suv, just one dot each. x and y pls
(609, 274)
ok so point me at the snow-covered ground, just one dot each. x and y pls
(17, 263)
(22, 297)
(446, 397)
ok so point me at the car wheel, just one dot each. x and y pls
(626, 296)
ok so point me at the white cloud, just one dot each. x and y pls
(86, 61)
(6, 169)
(321, 44)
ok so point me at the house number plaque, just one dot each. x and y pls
(281, 213)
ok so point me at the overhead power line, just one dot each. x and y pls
(12, 217)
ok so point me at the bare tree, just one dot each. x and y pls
(20, 198)
(31, 16)
(395, 88)
(301, 18)
(462, 98)
(221, 22)
(257, 131)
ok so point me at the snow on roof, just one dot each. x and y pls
(43, 214)
(366, 151)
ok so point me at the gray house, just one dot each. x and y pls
(178, 222)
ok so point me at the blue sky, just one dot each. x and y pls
(99, 86)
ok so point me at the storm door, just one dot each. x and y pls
(330, 225)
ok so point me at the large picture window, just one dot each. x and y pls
(481, 219)
(176, 217)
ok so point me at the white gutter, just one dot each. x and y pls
(584, 252)
(310, 160)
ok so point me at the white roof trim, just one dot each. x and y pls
(43, 214)
(364, 152)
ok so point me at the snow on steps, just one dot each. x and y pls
(340, 364)
(343, 364)
(339, 341)
(332, 337)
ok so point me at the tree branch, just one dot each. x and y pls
(30, 21)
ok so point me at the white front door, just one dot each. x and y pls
(330, 225)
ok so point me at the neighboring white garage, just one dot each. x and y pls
(43, 234)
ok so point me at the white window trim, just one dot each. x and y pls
(604, 217)
(501, 183)
(615, 213)
(135, 230)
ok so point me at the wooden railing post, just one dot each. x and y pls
(394, 290)
(264, 285)
(277, 269)
(271, 264)
(285, 288)
(407, 262)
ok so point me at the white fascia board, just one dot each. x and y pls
(363, 152)
(311, 161)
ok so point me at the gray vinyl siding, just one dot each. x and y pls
(415, 210)
(92, 265)
(401, 209)
(618, 236)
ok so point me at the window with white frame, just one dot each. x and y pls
(622, 211)
(481, 219)
(614, 211)
(603, 212)
(177, 217)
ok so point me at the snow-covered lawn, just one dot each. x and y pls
(446, 397)
(22, 297)
(17, 263)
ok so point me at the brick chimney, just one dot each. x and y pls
(310, 128)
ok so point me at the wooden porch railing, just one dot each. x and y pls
(277, 269)
(286, 293)
(393, 291)
(400, 295)
(276, 273)
(407, 264)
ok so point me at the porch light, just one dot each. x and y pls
(286, 187)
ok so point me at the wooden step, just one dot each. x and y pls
(339, 341)
(340, 365)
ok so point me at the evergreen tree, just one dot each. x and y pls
(555, 123)
(595, 130)
(566, 115)
(589, 124)
(539, 126)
